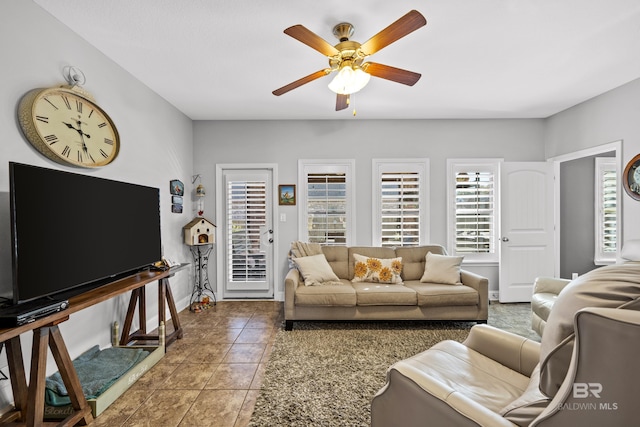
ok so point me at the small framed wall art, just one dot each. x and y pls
(287, 194)
(176, 187)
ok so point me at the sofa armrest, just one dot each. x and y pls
(291, 282)
(513, 351)
(475, 281)
(549, 285)
(481, 285)
(412, 399)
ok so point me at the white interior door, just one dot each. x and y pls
(527, 235)
(248, 233)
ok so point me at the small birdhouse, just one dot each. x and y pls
(199, 232)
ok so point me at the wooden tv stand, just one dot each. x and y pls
(29, 400)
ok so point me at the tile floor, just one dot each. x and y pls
(211, 377)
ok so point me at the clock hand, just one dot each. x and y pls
(70, 126)
(80, 129)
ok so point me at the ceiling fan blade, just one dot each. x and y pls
(311, 39)
(403, 26)
(302, 81)
(342, 102)
(394, 74)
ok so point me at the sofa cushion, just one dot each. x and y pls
(368, 251)
(442, 269)
(439, 295)
(338, 258)
(327, 295)
(450, 368)
(315, 270)
(413, 259)
(382, 294)
(377, 270)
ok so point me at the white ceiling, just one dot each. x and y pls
(221, 59)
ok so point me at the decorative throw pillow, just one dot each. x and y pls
(316, 270)
(442, 269)
(368, 269)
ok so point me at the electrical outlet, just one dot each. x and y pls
(494, 295)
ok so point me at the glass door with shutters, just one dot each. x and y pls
(248, 234)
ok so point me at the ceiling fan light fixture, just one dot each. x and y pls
(350, 79)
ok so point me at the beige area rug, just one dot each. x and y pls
(325, 373)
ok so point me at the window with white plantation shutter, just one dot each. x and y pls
(247, 205)
(473, 210)
(326, 205)
(606, 228)
(327, 208)
(400, 197)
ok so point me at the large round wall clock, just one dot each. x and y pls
(631, 178)
(67, 126)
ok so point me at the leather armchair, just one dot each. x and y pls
(581, 373)
(545, 293)
(546, 289)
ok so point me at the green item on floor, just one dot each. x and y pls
(97, 370)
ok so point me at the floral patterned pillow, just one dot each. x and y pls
(376, 270)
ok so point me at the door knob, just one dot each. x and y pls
(505, 239)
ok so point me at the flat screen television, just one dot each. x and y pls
(74, 232)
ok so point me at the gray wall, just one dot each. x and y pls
(156, 147)
(577, 215)
(609, 117)
(577, 231)
(284, 142)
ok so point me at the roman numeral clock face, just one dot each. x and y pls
(68, 128)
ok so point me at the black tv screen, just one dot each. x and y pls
(71, 230)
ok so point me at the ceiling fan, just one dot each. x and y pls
(347, 57)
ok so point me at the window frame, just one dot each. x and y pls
(419, 166)
(345, 166)
(603, 164)
(480, 165)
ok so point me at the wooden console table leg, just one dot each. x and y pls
(165, 298)
(35, 411)
(165, 295)
(137, 297)
(17, 375)
(43, 338)
(70, 379)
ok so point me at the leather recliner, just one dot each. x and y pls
(547, 289)
(581, 373)
(545, 293)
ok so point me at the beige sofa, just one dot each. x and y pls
(410, 300)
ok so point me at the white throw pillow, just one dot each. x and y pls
(376, 270)
(631, 250)
(315, 269)
(442, 269)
